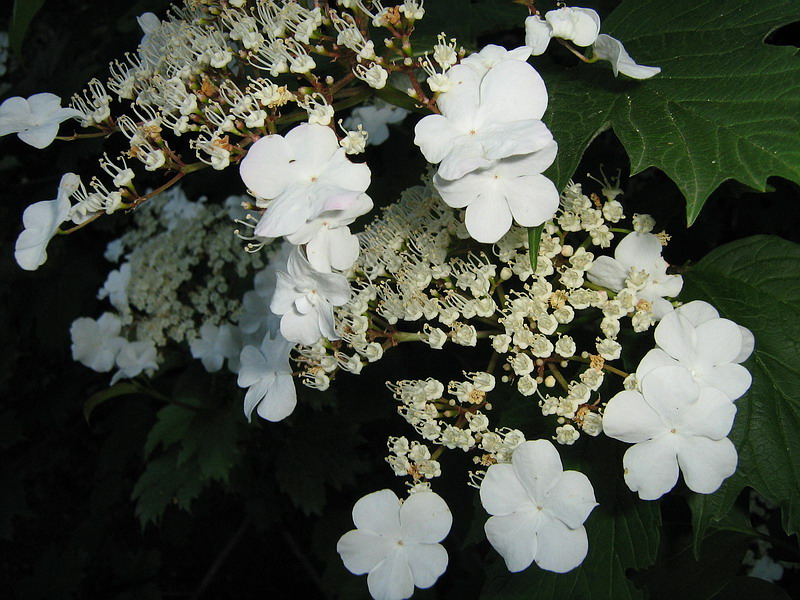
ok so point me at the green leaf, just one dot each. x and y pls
(623, 534)
(724, 106)
(756, 283)
(123, 388)
(165, 482)
(21, 17)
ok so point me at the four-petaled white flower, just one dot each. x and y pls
(35, 120)
(302, 175)
(485, 117)
(508, 189)
(42, 221)
(695, 337)
(539, 509)
(375, 120)
(215, 344)
(96, 344)
(267, 374)
(305, 297)
(674, 425)
(639, 255)
(397, 543)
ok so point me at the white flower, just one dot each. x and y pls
(485, 117)
(133, 358)
(305, 298)
(638, 254)
(375, 120)
(538, 509)
(35, 120)
(612, 50)
(397, 543)
(215, 344)
(116, 288)
(42, 221)
(579, 25)
(674, 424)
(695, 337)
(511, 189)
(303, 174)
(97, 343)
(267, 374)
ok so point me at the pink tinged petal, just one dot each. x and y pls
(572, 499)
(628, 418)
(711, 416)
(670, 391)
(677, 337)
(435, 136)
(652, 360)
(503, 139)
(392, 578)
(731, 379)
(512, 91)
(612, 50)
(559, 548)
(378, 512)
(265, 170)
(607, 272)
(533, 199)
(488, 216)
(39, 137)
(280, 400)
(537, 34)
(651, 467)
(719, 341)
(538, 466)
(501, 491)
(697, 312)
(427, 562)
(514, 537)
(362, 551)
(706, 463)
(425, 518)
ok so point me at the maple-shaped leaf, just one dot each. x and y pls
(725, 105)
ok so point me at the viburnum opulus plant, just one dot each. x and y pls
(558, 301)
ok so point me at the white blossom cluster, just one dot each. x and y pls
(171, 286)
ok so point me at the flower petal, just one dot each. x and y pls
(427, 562)
(538, 466)
(629, 418)
(559, 548)
(379, 512)
(572, 499)
(361, 551)
(610, 49)
(706, 463)
(392, 579)
(425, 517)
(731, 379)
(280, 399)
(488, 217)
(719, 341)
(651, 467)
(501, 491)
(511, 91)
(514, 537)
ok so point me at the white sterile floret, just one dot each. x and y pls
(638, 253)
(305, 298)
(376, 120)
(35, 120)
(267, 374)
(539, 509)
(578, 25)
(485, 117)
(674, 424)
(397, 542)
(612, 50)
(302, 174)
(134, 358)
(215, 344)
(97, 343)
(41, 221)
(508, 190)
(695, 337)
